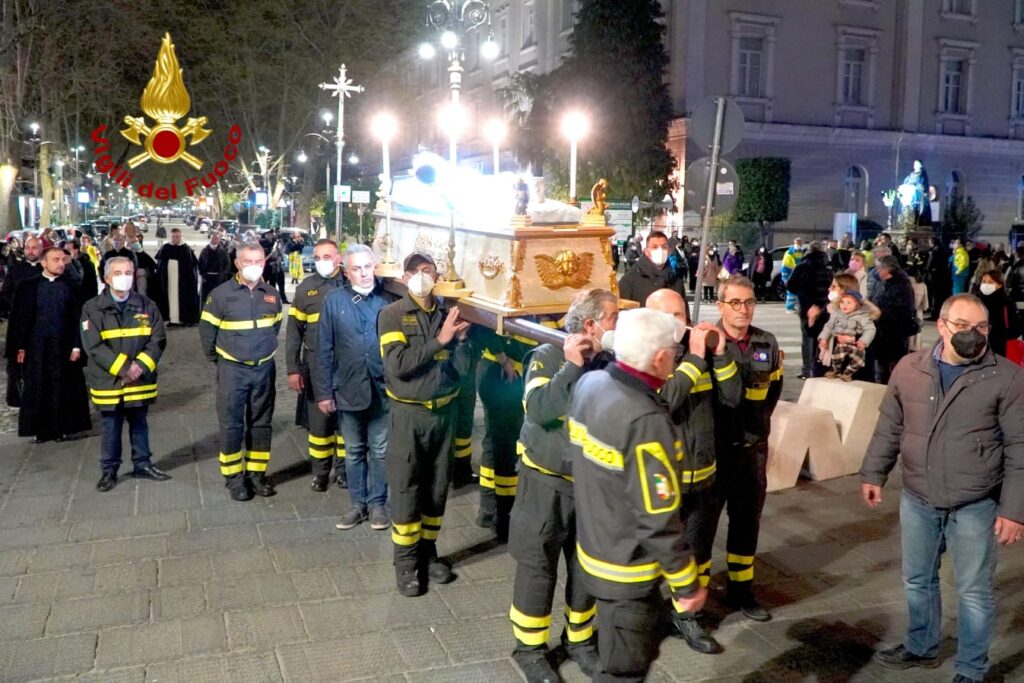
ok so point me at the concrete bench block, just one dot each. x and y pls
(799, 432)
(854, 406)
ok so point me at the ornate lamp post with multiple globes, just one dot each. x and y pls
(454, 19)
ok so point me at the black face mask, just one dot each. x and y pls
(969, 344)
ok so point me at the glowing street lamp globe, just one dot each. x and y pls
(426, 51)
(449, 40)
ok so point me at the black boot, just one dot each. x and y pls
(488, 509)
(437, 570)
(408, 581)
(319, 483)
(741, 596)
(261, 486)
(462, 473)
(688, 627)
(535, 665)
(238, 487)
(584, 654)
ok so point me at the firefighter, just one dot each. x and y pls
(543, 523)
(626, 458)
(238, 332)
(697, 383)
(123, 336)
(499, 382)
(465, 405)
(424, 346)
(741, 441)
(326, 446)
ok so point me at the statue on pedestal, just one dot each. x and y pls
(913, 193)
(522, 196)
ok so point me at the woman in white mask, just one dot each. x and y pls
(1002, 313)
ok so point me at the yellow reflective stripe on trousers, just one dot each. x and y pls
(118, 363)
(580, 617)
(617, 573)
(431, 527)
(463, 447)
(531, 638)
(746, 574)
(391, 338)
(739, 559)
(526, 621)
(321, 440)
(405, 534)
(146, 360)
(231, 463)
(120, 332)
(256, 461)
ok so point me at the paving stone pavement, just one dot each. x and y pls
(175, 582)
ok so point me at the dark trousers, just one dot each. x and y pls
(245, 408)
(628, 635)
(543, 526)
(326, 446)
(699, 510)
(112, 424)
(465, 404)
(809, 345)
(503, 418)
(887, 353)
(740, 484)
(418, 460)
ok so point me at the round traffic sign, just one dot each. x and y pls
(702, 125)
(727, 185)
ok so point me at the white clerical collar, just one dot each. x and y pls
(49, 277)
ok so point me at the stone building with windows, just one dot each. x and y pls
(852, 91)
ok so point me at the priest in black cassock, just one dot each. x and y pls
(214, 266)
(19, 270)
(178, 270)
(44, 338)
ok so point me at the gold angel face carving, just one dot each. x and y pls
(565, 269)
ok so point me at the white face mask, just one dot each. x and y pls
(679, 332)
(421, 285)
(121, 283)
(325, 268)
(659, 256)
(362, 290)
(987, 288)
(252, 273)
(607, 338)
(834, 296)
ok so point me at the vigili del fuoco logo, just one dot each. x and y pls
(166, 101)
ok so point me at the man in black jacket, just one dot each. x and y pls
(214, 266)
(810, 282)
(651, 272)
(898, 321)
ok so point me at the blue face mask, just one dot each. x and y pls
(136, 247)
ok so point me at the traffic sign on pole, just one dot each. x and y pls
(727, 185)
(342, 193)
(361, 197)
(702, 125)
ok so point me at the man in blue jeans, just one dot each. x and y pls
(348, 377)
(954, 414)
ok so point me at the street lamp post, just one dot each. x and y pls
(455, 19)
(574, 127)
(35, 141)
(60, 190)
(384, 128)
(495, 132)
(341, 87)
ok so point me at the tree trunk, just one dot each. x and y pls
(45, 185)
(9, 219)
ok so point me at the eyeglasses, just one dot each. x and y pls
(737, 304)
(962, 326)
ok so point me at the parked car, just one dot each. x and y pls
(203, 225)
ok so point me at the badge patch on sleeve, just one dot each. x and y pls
(658, 481)
(270, 298)
(662, 487)
(760, 356)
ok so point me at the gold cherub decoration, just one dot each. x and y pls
(566, 269)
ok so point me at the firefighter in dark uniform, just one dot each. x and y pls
(704, 375)
(499, 382)
(627, 454)
(741, 439)
(543, 524)
(425, 347)
(326, 446)
(238, 332)
(123, 336)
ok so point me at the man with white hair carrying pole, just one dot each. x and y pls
(626, 457)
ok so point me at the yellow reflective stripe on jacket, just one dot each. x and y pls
(690, 370)
(392, 338)
(211, 318)
(241, 324)
(684, 577)
(304, 317)
(430, 405)
(753, 394)
(695, 476)
(595, 450)
(227, 356)
(146, 360)
(703, 383)
(526, 460)
(118, 363)
(120, 332)
(776, 375)
(729, 371)
(534, 383)
(618, 573)
(487, 355)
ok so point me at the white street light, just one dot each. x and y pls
(574, 126)
(449, 40)
(453, 122)
(495, 131)
(263, 149)
(302, 158)
(327, 117)
(353, 159)
(490, 49)
(426, 51)
(34, 126)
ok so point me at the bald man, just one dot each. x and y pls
(704, 374)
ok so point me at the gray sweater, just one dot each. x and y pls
(857, 324)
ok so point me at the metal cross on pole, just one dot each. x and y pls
(341, 88)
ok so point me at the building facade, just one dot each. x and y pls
(851, 91)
